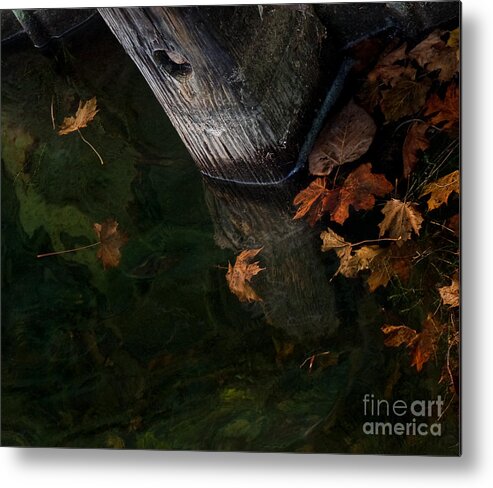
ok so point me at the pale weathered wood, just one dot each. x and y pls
(238, 86)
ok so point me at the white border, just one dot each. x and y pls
(53, 468)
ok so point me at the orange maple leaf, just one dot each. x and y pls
(240, 275)
(422, 344)
(358, 191)
(313, 201)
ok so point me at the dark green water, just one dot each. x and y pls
(157, 353)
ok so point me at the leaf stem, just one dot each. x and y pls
(367, 242)
(91, 146)
(75, 249)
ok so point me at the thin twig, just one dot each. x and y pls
(91, 146)
(56, 253)
(52, 110)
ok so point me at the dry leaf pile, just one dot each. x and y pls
(409, 204)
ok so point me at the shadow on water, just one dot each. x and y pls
(158, 353)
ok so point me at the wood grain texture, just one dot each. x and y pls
(238, 87)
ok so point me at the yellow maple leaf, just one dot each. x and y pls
(240, 274)
(401, 219)
(85, 113)
(441, 189)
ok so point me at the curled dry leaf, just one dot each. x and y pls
(441, 189)
(415, 142)
(345, 138)
(405, 98)
(85, 113)
(110, 240)
(401, 219)
(444, 113)
(359, 191)
(331, 240)
(450, 294)
(240, 275)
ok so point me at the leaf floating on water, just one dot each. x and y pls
(345, 138)
(441, 189)
(401, 219)
(110, 240)
(85, 113)
(415, 142)
(240, 275)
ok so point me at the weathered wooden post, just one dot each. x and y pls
(236, 82)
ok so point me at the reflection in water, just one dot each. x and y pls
(297, 296)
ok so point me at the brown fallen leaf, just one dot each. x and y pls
(387, 72)
(435, 54)
(110, 240)
(359, 191)
(313, 201)
(441, 189)
(415, 142)
(401, 219)
(454, 42)
(454, 224)
(393, 262)
(351, 263)
(85, 113)
(405, 98)
(422, 344)
(398, 335)
(331, 240)
(450, 294)
(345, 138)
(444, 113)
(425, 345)
(240, 275)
